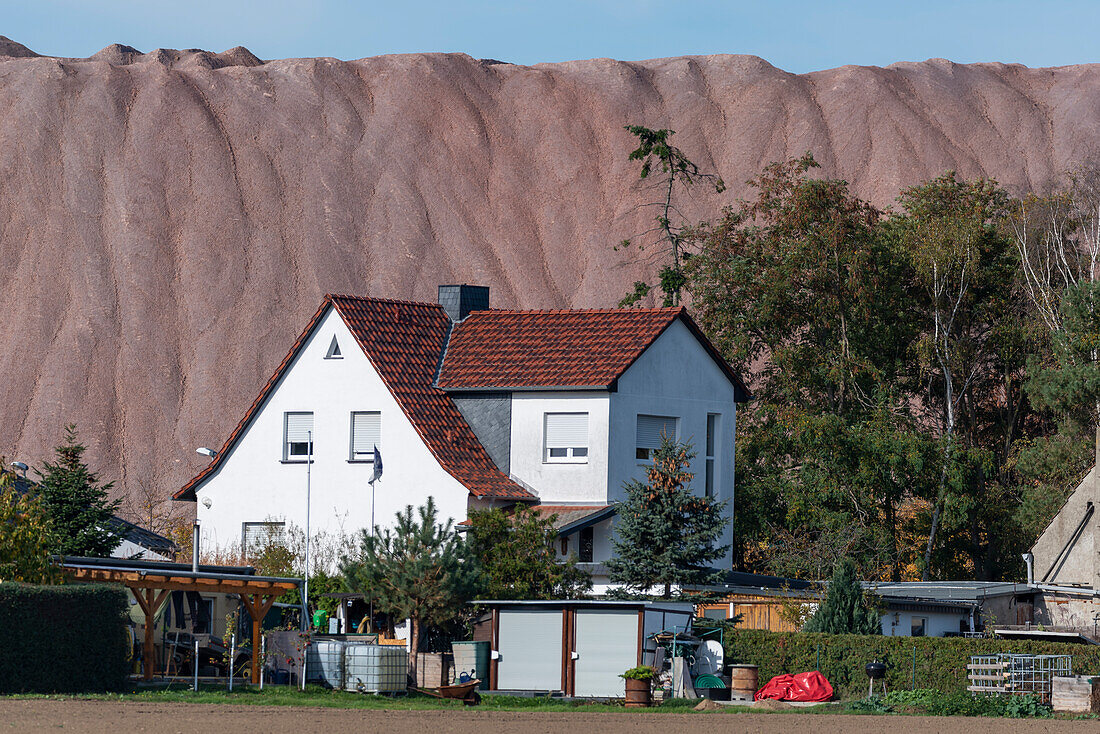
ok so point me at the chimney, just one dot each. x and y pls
(459, 301)
(1029, 562)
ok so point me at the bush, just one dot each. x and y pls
(62, 639)
(939, 662)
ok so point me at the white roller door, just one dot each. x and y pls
(530, 650)
(606, 645)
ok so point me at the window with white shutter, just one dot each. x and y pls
(366, 433)
(566, 438)
(256, 535)
(297, 436)
(651, 429)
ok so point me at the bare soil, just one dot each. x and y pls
(166, 718)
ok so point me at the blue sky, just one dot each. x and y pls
(795, 35)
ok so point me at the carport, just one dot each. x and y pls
(575, 647)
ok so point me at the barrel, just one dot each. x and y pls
(744, 680)
(637, 693)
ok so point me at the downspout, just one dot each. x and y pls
(1029, 561)
(195, 547)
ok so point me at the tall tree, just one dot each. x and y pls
(963, 271)
(517, 557)
(664, 534)
(421, 570)
(78, 504)
(672, 170)
(846, 609)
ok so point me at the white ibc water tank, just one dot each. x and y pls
(325, 663)
(375, 668)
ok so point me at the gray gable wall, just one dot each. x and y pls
(490, 416)
(1066, 552)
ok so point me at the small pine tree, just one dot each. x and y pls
(421, 570)
(664, 534)
(77, 503)
(846, 609)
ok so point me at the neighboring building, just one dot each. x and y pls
(476, 408)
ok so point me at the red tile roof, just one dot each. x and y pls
(403, 341)
(577, 348)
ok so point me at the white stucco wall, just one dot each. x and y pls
(560, 483)
(253, 484)
(675, 377)
(900, 624)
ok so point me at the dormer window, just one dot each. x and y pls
(566, 438)
(334, 350)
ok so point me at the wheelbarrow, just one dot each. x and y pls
(467, 691)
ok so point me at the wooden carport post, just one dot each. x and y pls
(150, 600)
(258, 607)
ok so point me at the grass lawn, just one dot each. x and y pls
(317, 696)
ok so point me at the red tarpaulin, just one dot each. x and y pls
(810, 686)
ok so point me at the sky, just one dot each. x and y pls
(798, 36)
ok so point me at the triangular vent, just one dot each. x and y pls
(334, 350)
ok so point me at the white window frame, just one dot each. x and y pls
(367, 458)
(267, 525)
(573, 452)
(648, 458)
(287, 455)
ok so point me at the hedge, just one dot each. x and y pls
(940, 662)
(63, 639)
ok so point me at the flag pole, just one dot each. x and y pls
(305, 583)
(376, 474)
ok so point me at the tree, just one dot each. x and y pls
(25, 536)
(672, 168)
(77, 503)
(664, 534)
(420, 570)
(846, 609)
(517, 558)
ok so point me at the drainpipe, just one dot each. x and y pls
(1029, 561)
(195, 548)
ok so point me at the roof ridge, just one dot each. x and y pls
(670, 310)
(376, 299)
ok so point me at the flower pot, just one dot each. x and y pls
(637, 693)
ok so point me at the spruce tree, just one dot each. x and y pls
(664, 534)
(421, 570)
(846, 609)
(78, 505)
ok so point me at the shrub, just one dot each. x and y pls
(642, 672)
(62, 639)
(920, 662)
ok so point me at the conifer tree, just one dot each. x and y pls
(78, 505)
(664, 534)
(420, 570)
(846, 609)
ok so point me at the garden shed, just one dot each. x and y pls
(575, 647)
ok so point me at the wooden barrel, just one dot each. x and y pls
(637, 693)
(744, 680)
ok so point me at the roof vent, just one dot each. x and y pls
(459, 301)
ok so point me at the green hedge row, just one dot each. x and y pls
(920, 662)
(63, 639)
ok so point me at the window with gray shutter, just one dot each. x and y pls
(297, 436)
(651, 429)
(366, 433)
(566, 437)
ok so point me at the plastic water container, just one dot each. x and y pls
(325, 663)
(472, 658)
(375, 668)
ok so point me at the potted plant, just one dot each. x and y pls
(638, 682)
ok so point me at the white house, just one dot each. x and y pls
(475, 408)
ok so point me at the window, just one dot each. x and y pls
(565, 545)
(566, 438)
(366, 433)
(712, 430)
(586, 546)
(651, 429)
(255, 535)
(919, 627)
(334, 350)
(297, 436)
(714, 612)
